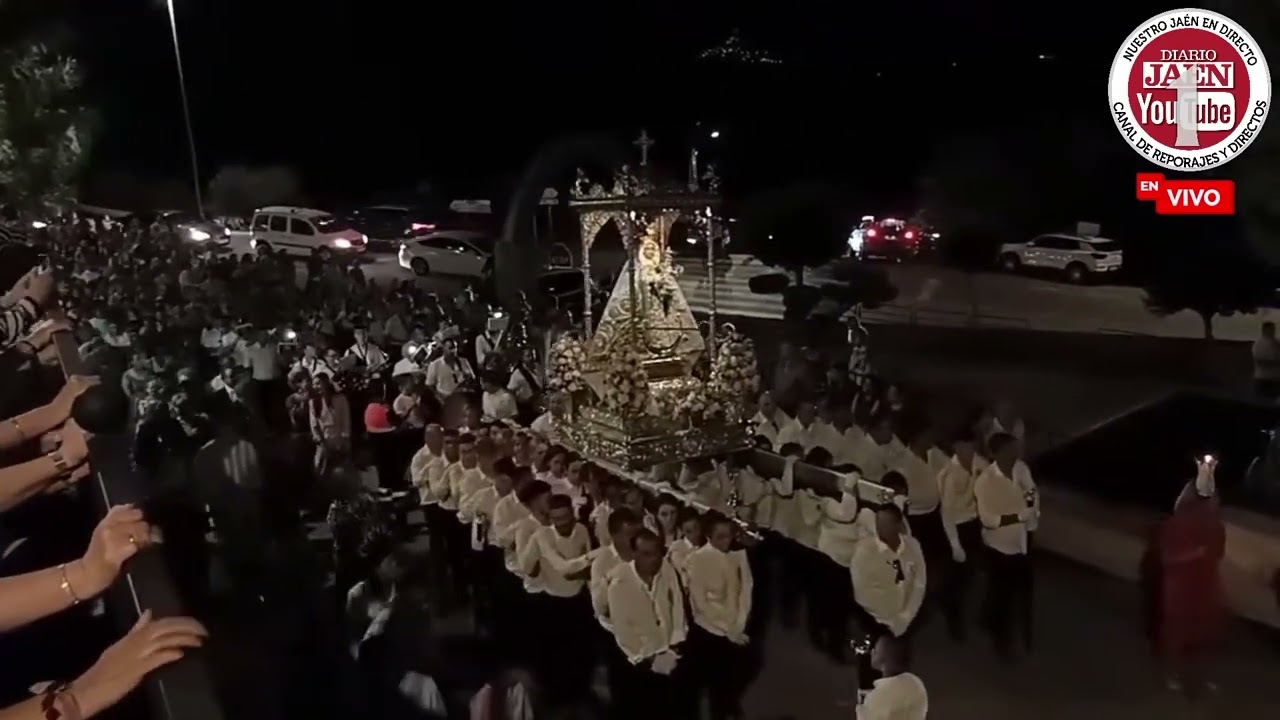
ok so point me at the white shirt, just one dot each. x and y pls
(313, 367)
(560, 556)
(874, 459)
(262, 360)
(957, 501)
(404, 366)
(441, 484)
(890, 601)
(922, 478)
(998, 495)
(424, 468)
(817, 434)
(771, 426)
(464, 483)
(499, 404)
(484, 346)
(444, 378)
(507, 514)
(211, 339)
(519, 386)
(720, 586)
(371, 354)
(900, 697)
(605, 562)
(648, 619)
(543, 425)
(528, 553)
(838, 530)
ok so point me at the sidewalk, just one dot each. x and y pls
(1090, 661)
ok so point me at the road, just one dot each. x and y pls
(930, 295)
(927, 295)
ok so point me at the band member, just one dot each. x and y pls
(646, 609)
(720, 587)
(889, 577)
(369, 355)
(1008, 509)
(450, 371)
(313, 364)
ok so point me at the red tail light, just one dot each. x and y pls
(872, 233)
(909, 235)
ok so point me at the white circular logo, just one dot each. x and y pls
(1190, 89)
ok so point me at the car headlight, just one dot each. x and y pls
(198, 235)
(342, 244)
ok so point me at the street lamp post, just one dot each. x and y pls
(186, 110)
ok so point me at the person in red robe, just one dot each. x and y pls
(1190, 606)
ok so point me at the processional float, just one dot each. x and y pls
(646, 386)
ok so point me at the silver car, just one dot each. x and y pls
(194, 229)
(1078, 257)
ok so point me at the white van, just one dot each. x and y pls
(303, 231)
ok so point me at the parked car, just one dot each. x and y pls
(303, 231)
(1078, 257)
(448, 252)
(194, 229)
(889, 239)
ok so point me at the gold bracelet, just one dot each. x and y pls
(66, 585)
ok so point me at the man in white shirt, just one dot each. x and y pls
(525, 380)
(807, 430)
(898, 694)
(407, 365)
(646, 609)
(769, 420)
(485, 345)
(622, 527)
(370, 356)
(889, 580)
(959, 510)
(565, 557)
(496, 402)
(720, 588)
(266, 369)
(878, 451)
(312, 364)
(920, 464)
(448, 372)
(1009, 508)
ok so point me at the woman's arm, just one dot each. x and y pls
(22, 482)
(35, 595)
(34, 423)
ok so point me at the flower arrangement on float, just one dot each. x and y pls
(734, 377)
(685, 400)
(626, 384)
(568, 356)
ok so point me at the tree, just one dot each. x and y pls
(239, 190)
(1209, 270)
(793, 228)
(44, 127)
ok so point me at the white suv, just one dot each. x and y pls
(1079, 257)
(302, 231)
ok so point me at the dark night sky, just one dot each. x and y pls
(364, 96)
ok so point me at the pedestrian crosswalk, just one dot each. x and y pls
(733, 294)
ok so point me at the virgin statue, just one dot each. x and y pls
(651, 300)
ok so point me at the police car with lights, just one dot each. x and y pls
(304, 232)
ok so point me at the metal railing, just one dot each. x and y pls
(183, 690)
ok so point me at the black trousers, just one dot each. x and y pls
(1008, 608)
(927, 529)
(565, 657)
(791, 566)
(958, 578)
(830, 601)
(441, 537)
(646, 695)
(723, 671)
